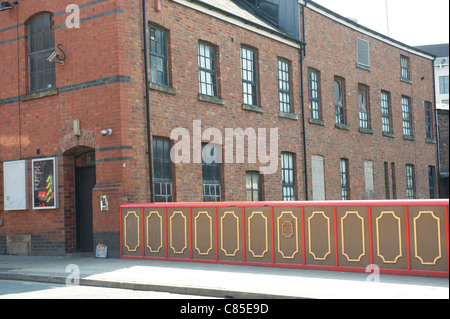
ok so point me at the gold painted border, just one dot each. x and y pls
(125, 231)
(296, 234)
(439, 238)
(185, 232)
(363, 237)
(328, 234)
(160, 231)
(237, 233)
(210, 234)
(250, 232)
(399, 237)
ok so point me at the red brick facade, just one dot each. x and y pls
(102, 84)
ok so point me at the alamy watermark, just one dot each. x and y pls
(73, 19)
(262, 146)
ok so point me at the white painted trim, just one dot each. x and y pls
(366, 32)
(237, 22)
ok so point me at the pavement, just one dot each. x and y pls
(217, 280)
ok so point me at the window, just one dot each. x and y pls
(253, 185)
(339, 100)
(41, 45)
(207, 69)
(284, 85)
(314, 101)
(287, 176)
(428, 121)
(431, 182)
(386, 111)
(443, 85)
(249, 76)
(211, 172)
(386, 179)
(410, 182)
(158, 56)
(162, 170)
(394, 183)
(406, 115)
(404, 66)
(362, 48)
(344, 179)
(363, 103)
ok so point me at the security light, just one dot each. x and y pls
(5, 6)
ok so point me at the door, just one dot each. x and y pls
(84, 184)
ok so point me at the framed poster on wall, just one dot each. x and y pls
(45, 183)
(15, 181)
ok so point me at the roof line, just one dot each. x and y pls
(370, 32)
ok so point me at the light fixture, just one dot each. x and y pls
(106, 132)
(6, 6)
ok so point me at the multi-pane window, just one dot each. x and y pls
(162, 170)
(158, 56)
(428, 121)
(211, 173)
(207, 69)
(344, 179)
(386, 179)
(249, 76)
(404, 67)
(253, 186)
(443, 85)
(287, 176)
(339, 100)
(314, 100)
(41, 45)
(406, 115)
(386, 111)
(431, 182)
(363, 103)
(284, 86)
(410, 182)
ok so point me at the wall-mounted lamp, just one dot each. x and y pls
(106, 132)
(5, 5)
(55, 56)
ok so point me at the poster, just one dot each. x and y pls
(45, 183)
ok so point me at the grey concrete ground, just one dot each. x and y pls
(221, 281)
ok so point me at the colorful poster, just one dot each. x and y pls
(45, 184)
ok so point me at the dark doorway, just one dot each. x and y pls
(84, 184)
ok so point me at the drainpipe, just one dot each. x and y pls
(302, 56)
(147, 100)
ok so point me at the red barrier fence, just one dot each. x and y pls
(399, 237)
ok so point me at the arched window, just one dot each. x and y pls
(41, 45)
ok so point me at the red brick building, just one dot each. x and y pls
(92, 129)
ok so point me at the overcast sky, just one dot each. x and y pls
(413, 22)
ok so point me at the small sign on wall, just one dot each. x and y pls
(104, 202)
(45, 183)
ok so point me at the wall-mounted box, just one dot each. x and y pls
(15, 181)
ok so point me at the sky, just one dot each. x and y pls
(413, 22)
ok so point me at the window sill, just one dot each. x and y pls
(430, 140)
(38, 95)
(287, 115)
(409, 138)
(342, 126)
(362, 66)
(252, 108)
(388, 134)
(406, 80)
(316, 122)
(365, 130)
(162, 88)
(210, 99)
